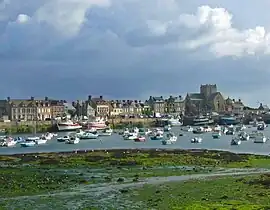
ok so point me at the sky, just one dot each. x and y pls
(131, 49)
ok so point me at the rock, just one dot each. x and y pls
(121, 179)
(124, 190)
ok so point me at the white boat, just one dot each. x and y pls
(147, 131)
(240, 128)
(34, 138)
(42, 140)
(28, 143)
(72, 140)
(157, 136)
(235, 141)
(48, 136)
(63, 139)
(98, 124)
(79, 133)
(260, 138)
(207, 129)
(68, 125)
(9, 142)
(167, 128)
(187, 128)
(135, 130)
(174, 122)
(243, 136)
(169, 139)
(106, 132)
(88, 135)
(196, 140)
(217, 128)
(216, 135)
(231, 131)
(158, 131)
(131, 136)
(202, 120)
(199, 130)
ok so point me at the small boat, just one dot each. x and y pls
(147, 131)
(157, 136)
(33, 138)
(243, 136)
(260, 127)
(158, 131)
(167, 128)
(216, 135)
(196, 140)
(9, 142)
(63, 139)
(231, 131)
(42, 140)
(106, 132)
(181, 134)
(217, 128)
(19, 139)
(48, 136)
(80, 132)
(140, 139)
(207, 129)
(28, 143)
(240, 128)
(253, 134)
(199, 130)
(260, 138)
(131, 136)
(235, 141)
(169, 139)
(89, 135)
(187, 128)
(73, 140)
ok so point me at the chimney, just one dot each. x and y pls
(32, 98)
(151, 97)
(73, 104)
(136, 101)
(180, 97)
(124, 101)
(89, 98)
(161, 97)
(46, 98)
(8, 98)
(239, 100)
(101, 97)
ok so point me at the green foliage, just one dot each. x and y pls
(40, 128)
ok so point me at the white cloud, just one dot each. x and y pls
(22, 18)
(66, 16)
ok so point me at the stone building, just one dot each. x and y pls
(208, 100)
(157, 104)
(175, 105)
(101, 106)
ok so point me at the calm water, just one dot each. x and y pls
(116, 142)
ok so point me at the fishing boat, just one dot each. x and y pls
(174, 122)
(157, 136)
(207, 129)
(169, 139)
(63, 139)
(28, 143)
(68, 125)
(202, 120)
(98, 123)
(158, 131)
(216, 135)
(89, 135)
(73, 140)
(196, 140)
(235, 141)
(140, 139)
(228, 120)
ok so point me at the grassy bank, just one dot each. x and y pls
(62, 179)
(147, 158)
(19, 129)
(244, 193)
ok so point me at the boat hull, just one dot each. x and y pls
(68, 127)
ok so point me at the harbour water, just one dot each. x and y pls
(117, 142)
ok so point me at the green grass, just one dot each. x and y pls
(26, 181)
(144, 158)
(251, 192)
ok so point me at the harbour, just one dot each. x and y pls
(116, 141)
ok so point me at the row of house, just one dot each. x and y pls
(208, 99)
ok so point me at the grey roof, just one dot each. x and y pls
(69, 106)
(195, 96)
